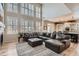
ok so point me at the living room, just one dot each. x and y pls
(39, 29)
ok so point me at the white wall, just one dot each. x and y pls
(51, 10)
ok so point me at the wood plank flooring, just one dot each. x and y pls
(9, 49)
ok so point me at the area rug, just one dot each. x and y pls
(24, 49)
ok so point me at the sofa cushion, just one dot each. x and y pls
(44, 38)
(54, 42)
(53, 35)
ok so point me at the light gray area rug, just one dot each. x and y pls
(24, 49)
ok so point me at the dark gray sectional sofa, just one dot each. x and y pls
(55, 41)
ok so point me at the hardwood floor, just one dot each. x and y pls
(73, 50)
(9, 49)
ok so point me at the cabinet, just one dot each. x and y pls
(74, 27)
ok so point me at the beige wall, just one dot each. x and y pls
(50, 26)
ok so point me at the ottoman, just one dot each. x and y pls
(55, 45)
(35, 42)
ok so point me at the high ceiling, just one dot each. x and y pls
(52, 10)
(55, 10)
(74, 7)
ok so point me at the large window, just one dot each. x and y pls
(31, 26)
(38, 11)
(26, 25)
(23, 25)
(12, 7)
(31, 10)
(24, 9)
(11, 25)
(37, 26)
